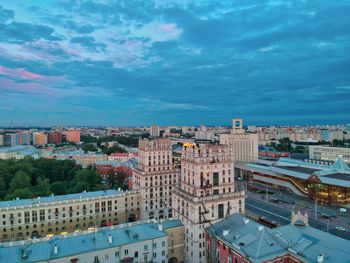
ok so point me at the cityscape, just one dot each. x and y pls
(172, 131)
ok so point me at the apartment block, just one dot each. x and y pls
(148, 241)
(33, 218)
(155, 178)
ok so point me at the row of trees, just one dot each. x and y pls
(130, 141)
(28, 178)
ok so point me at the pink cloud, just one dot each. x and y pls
(20, 73)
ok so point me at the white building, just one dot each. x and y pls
(326, 153)
(243, 146)
(155, 131)
(155, 177)
(205, 195)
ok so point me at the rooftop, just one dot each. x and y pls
(57, 198)
(83, 242)
(259, 243)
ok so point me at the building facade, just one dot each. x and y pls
(326, 153)
(155, 178)
(72, 135)
(206, 194)
(29, 218)
(243, 146)
(137, 242)
(39, 138)
(55, 137)
(155, 131)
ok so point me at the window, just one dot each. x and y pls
(145, 247)
(216, 179)
(154, 245)
(116, 254)
(126, 252)
(136, 254)
(221, 210)
(163, 243)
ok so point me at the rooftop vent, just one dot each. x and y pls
(160, 227)
(260, 228)
(24, 254)
(320, 258)
(110, 239)
(245, 221)
(55, 249)
(225, 232)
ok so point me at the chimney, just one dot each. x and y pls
(55, 249)
(110, 239)
(320, 258)
(245, 221)
(160, 227)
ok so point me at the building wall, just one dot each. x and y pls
(243, 146)
(145, 251)
(205, 195)
(155, 177)
(41, 219)
(72, 135)
(328, 153)
(226, 254)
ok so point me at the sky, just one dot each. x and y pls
(166, 62)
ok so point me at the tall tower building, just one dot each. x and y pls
(205, 195)
(155, 131)
(242, 145)
(155, 178)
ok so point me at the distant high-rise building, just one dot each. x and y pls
(23, 138)
(10, 139)
(55, 137)
(205, 195)
(155, 178)
(39, 138)
(155, 131)
(242, 145)
(72, 135)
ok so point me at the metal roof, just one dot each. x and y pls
(259, 243)
(83, 242)
(57, 198)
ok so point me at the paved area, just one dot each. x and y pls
(266, 205)
(282, 216)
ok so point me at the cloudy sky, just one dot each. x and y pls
(129, 62)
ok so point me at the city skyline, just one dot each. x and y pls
(131, 63)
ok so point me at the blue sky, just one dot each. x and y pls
(73, 62)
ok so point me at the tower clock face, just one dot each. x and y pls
(238, 124)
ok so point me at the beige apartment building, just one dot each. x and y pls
(138, 242)
(205, 195)
(33, 218)
(155, 178)
(243, 146)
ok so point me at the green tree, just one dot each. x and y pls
(58, 188)
(23, 193)
(86, 180)
(42, 188)
(117, 179)
(20, 181)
